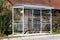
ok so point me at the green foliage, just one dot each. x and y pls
(5, 19)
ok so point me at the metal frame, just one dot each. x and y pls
(50, 21)
(41, 20)
(32, 18)
(12, 20)
(23, 20)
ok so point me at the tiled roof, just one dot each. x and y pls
(53, 3)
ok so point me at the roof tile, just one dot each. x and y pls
(53, 3)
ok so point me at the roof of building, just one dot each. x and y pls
(53, 3)
(31, 6)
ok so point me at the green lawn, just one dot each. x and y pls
(56, 32)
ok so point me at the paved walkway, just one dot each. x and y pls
(46, 37)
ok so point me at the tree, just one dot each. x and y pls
(5, 19)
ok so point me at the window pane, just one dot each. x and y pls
(18, 28)
(36, 16)
(27, 21)
(36, 28)
(18, 15)
(36, 21)
(45, 16)
(36, 13)
(27, 16)
(46, 28)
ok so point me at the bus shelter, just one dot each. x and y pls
(31, 19)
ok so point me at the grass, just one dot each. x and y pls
(56, 32)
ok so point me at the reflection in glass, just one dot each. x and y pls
(18, 15)
(18, 28)
(27, 20)
(45, 16)
(36, 21)
(46, 28)
(18, 20)
(36, 28)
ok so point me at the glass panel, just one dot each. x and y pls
(36, 13)
(18, 15)
(45, 16)
(36, 28)
(28, 28)
(18, 20)
(45, 28)
(18, 28)
(36, 21)
(36, 16)
(27, 20)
